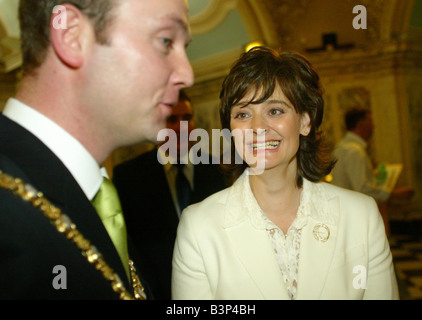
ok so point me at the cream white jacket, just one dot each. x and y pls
(220, 255)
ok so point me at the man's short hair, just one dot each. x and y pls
(353, 117)
(35, 21)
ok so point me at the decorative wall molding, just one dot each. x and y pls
(10, 51)
(10, 54)
(389, 58)
(400, 17)
(8, 18)
(216, 66)
(258, 21)
(212, 16)
(377, 18)
(285, 15)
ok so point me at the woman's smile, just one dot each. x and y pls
(265, 146)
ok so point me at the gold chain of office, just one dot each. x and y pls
(65, 226)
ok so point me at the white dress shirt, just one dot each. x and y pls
(353, 169)
(70, 151)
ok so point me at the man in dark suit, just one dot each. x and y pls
(76, 104)
(148, 189)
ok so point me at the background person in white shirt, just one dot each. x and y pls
(354, 169)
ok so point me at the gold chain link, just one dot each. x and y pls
(65, 226)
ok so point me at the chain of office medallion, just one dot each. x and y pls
(65, 226)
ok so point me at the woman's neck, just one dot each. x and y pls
(277, 194)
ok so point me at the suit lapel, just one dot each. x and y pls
(315, 253)
(257, 256)
(49, 176)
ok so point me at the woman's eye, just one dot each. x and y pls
(276, 112)
(241, 115)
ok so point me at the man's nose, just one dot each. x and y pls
(183, 76)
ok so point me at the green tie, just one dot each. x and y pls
(107, 204)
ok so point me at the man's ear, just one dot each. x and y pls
(68, 32)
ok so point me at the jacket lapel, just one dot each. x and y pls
(319, 238)
(48, 175)
(257, 256)
(255, 250)
(252, 245)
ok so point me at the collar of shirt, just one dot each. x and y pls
(260, 220)
(70, 151)
(351, 136)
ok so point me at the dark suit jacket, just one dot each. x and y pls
(30, 246)
(151, 217)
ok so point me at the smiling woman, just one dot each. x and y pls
(276, 128)
(267, 235)
(282, 85)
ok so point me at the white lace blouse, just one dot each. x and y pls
(286, 246)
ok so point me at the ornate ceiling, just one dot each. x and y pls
(222, 28)
(300, 24)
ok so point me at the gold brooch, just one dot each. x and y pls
(321, 232)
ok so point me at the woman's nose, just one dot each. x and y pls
(259, 125)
